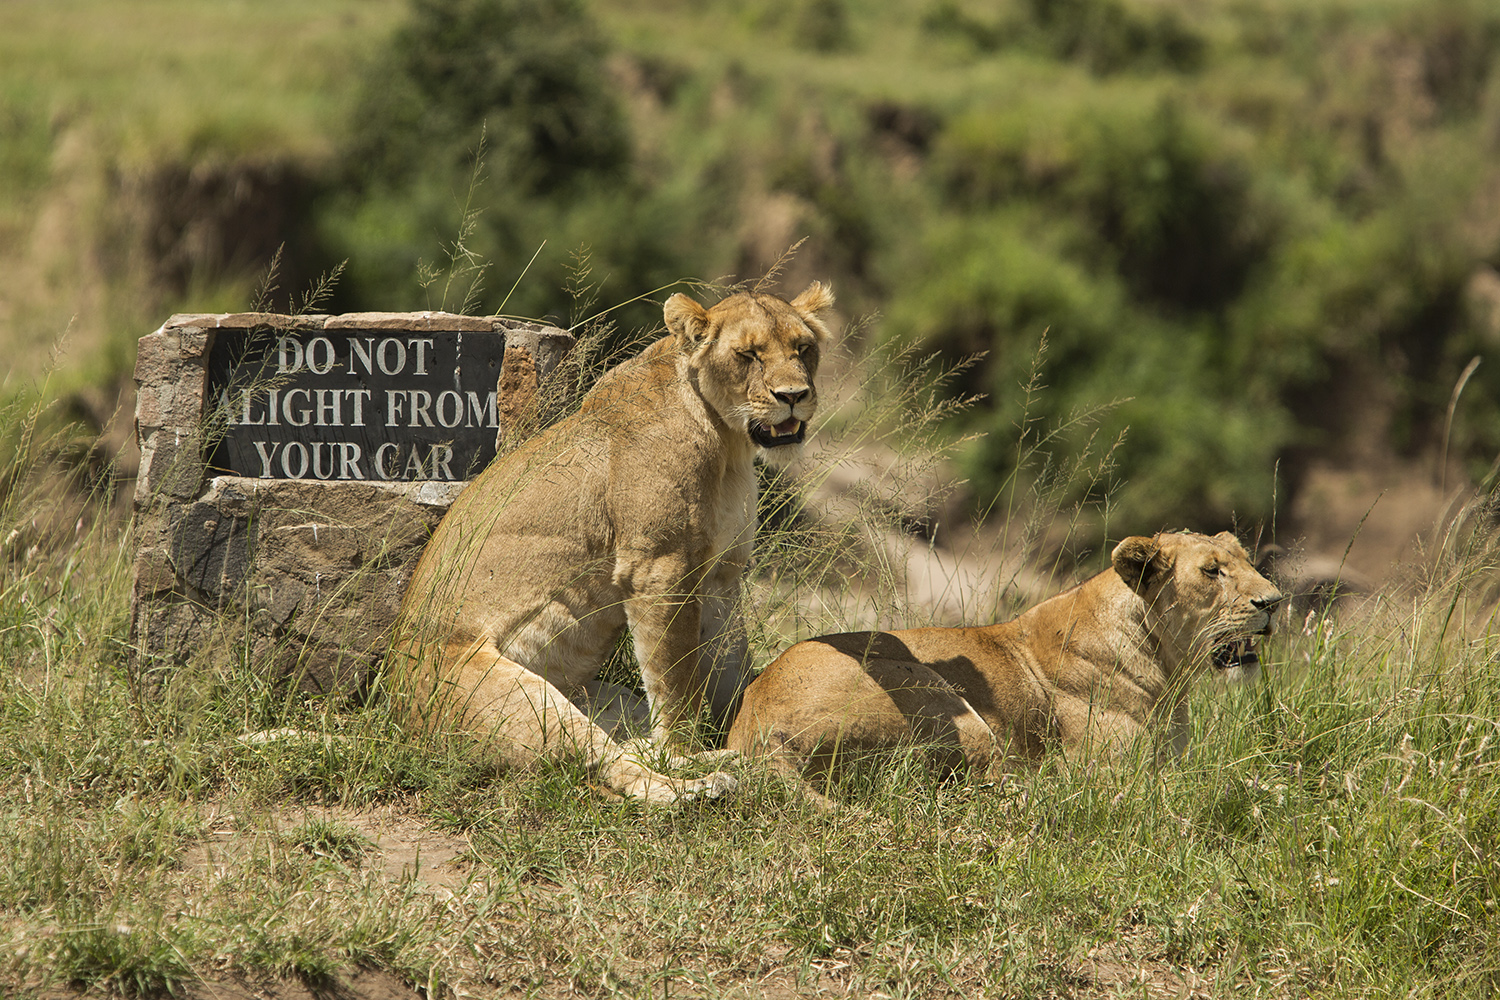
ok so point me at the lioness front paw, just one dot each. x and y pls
(643, 749)
(636, 781)
(710, 786)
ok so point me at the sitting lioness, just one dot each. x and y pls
(637, 512)
(1095, 666)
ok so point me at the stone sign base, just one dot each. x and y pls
(297, 580)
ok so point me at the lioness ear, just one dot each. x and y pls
(1232, 540)
(1137, 559)
(813, 304)
(686, 319)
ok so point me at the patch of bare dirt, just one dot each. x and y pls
(403, 847)
(353, 984)
(1102, 976)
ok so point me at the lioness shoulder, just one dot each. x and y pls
(1097, 665)
(638, 513)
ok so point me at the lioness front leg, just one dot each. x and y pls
(723, 650)
(532, 719)
(665, 632)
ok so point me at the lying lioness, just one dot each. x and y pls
(1096, 666)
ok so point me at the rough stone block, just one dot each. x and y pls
(305, 576)
(437, 322)
(171, 466)
(157, 359)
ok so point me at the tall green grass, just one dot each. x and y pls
(1331, 830)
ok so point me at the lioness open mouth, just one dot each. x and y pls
(789, 431)
(1239, 652)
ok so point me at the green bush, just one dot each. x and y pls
(1263, 285)
(823, 25)
(1171, 205)
(1176, 208)
(528, 75)
(1197, 447)
(490, 168)
(1459, 41)
(1107, 36)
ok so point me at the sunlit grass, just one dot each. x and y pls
(1331, 829)
(178, 79)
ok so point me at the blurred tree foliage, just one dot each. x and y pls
(1105, 35)
(1257, 239)
(527, 74)
(483, 131)
(1250, 231)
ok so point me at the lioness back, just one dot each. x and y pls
(1095, 666)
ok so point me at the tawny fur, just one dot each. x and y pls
(1094, 667)
(636, 513)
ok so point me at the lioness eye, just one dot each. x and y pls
(747, 355)
(1212, 570)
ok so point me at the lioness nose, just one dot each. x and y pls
(1267, 603)
(791, 397)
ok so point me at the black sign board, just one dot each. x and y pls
(379, 405)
